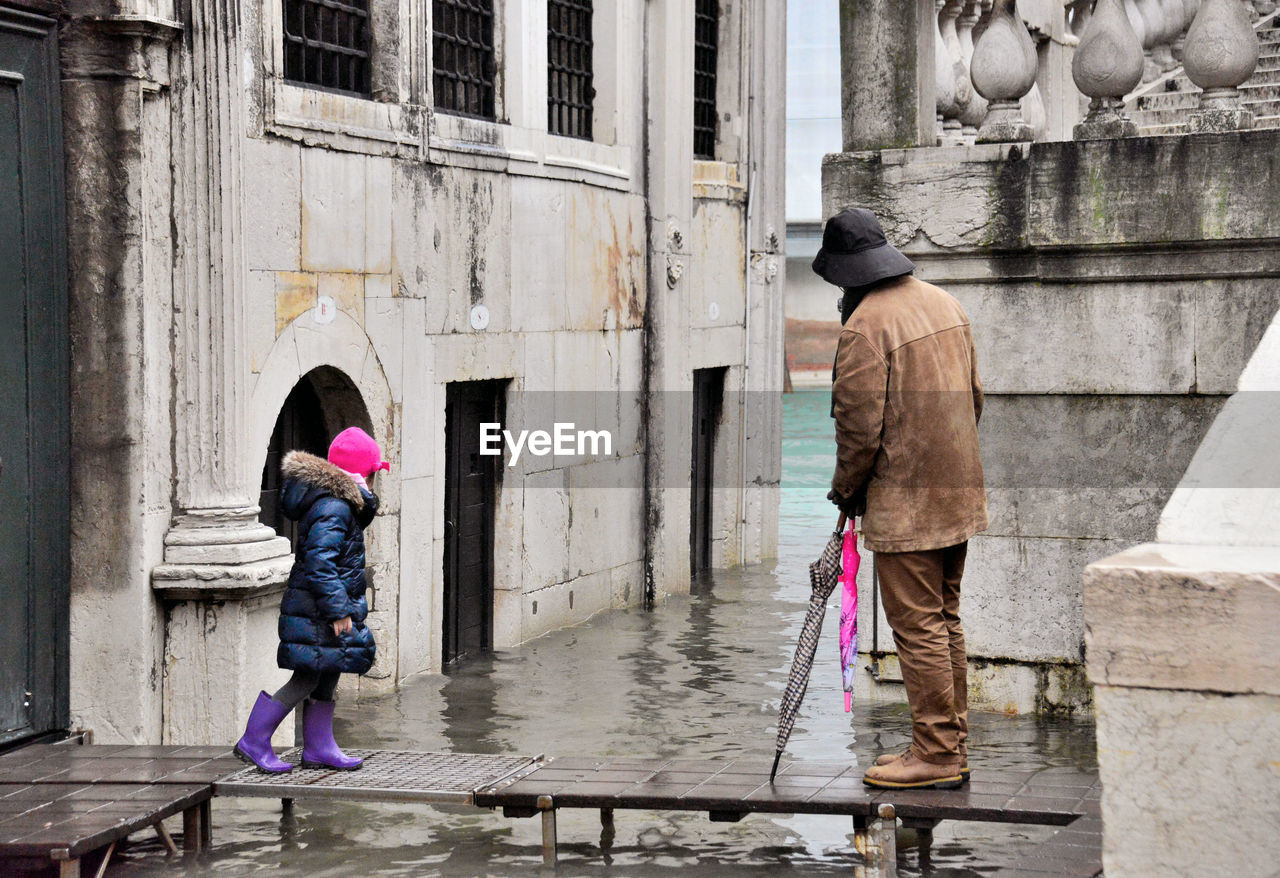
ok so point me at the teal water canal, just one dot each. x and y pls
(700, 676)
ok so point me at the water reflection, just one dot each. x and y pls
(700, 676)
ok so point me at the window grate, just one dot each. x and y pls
(706, 45)
(463, 58)
(326, 44)
(569, 89)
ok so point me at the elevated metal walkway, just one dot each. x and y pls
(61, 803)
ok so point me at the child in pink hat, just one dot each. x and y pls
(322, 614)
(356, 452)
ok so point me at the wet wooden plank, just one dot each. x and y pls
(118, 764)
(70, 825)
(1051, 797)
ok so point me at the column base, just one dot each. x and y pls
(213, 554)
(1106, 121)
(221, 580)
(1004, 124)
(1219, 112)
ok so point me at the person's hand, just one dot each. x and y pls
(851, 506)
(341, 626)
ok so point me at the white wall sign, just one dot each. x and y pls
(326, 309)
(479, 317)
(713, 310)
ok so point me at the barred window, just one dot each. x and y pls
(463, 58)
(706, 42)
(326, 44)
(569, 89)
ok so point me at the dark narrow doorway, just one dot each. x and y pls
(708, 399)
(470, 496)
(322, 404)
(34, 430)
(299, 427)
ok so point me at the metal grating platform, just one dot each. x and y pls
(386, 776)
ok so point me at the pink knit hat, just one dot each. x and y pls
(355, 451)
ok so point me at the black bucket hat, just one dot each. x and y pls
(856, 253)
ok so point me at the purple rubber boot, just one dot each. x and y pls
(255, 745)
(319, 750)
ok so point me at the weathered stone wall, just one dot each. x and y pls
(402, 221)
(1116, 290)
(1184, 657)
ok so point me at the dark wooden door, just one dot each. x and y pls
(708, 399)
(470, 495)
(34, 432)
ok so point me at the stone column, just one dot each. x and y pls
(216, 541)
(1107, 66)
(216, 550)
(668, 376)
(887, 74)
(1220, 53)
(766, 223)
(115, 87)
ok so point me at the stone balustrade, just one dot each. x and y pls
(989, 63)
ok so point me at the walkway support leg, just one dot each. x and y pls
(69, 868)
(877, 844)
(191, 832)
(548, 809)
(206, 823)
(163, 831)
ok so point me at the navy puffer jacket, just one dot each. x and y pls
(327, 582)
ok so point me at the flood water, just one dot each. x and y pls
(700, 676)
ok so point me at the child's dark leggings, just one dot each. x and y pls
(316, 684)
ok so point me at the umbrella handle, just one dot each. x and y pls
(841, 523)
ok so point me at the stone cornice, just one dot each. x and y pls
(1185, 261)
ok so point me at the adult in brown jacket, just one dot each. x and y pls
(906, 399)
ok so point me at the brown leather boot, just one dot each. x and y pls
(886, 758)
(909, 772)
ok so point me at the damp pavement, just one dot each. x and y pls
(699, 676)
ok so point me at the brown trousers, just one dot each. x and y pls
(921, 596)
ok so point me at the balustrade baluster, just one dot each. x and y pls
(1107, 65)
(944, 86)
(1004, 69)
(1078, 14)
(1220, 53)
(962, 88)
(975, 110)
(1171, 19)
(1189, 10)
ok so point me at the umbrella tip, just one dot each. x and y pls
(776, 757)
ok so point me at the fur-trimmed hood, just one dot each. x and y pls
(316, 472)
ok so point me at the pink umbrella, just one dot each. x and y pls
(849, 613)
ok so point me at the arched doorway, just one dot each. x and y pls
(323, 403)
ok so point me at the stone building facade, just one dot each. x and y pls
(264, 249)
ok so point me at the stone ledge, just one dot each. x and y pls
(1185, 617)
(221, 582)
(1076, 194)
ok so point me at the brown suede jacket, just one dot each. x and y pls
(907, 400)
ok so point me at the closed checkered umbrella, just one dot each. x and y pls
(823, 575)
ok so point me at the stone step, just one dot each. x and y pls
(1169, 100)
(1180, 127)
(1253, 90)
